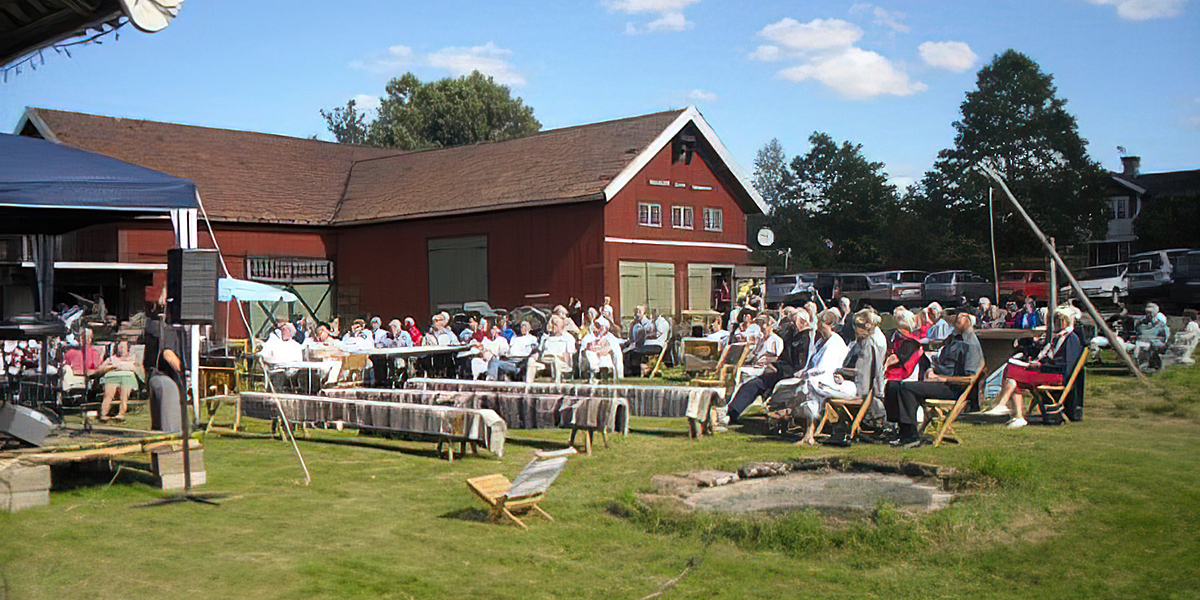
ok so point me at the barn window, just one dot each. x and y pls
(682, 217)
(714, 219)
(649, 215)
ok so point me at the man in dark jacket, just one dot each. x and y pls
(796, 332)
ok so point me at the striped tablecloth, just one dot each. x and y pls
(644, 400)
(480, 426)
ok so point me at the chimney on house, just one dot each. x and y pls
(1131, 166)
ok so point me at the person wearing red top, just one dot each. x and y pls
(410, 325)
(74, 357)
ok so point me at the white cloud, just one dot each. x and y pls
(817, 34)
(856, 74)
(825, 51)
(366, 102)
(767, 53)
(488, 59)
(1141, 10)
(952, 56)
(888, 18)
(395, 58)
(669, 14)
(702, 95)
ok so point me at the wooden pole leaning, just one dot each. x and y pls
(1113, 340)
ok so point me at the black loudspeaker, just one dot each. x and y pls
(25, 424)
(191, 286)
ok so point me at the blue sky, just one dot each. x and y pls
(889, 75)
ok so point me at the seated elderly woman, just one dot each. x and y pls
(1052, 365)
(820, 379)
(599, 353)
(493, 345)
(864, 362)
(766, 352)
(121, 374)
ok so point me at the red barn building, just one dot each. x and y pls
(648, 210)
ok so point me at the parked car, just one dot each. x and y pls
(1025, 282)
(1150, 274)
(1185, 279)
(782, 289)
(1103, 281)
(889, 289)
(947, 287)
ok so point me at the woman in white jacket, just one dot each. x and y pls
(819, 376)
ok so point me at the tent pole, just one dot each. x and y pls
(1113, 340)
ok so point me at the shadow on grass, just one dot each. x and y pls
(474, 515)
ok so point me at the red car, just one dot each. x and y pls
(1021, 283)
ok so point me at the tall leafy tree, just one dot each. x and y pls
(1015, 122)
(415, 115)
(347, 124)
(849, 199)
(771, 176)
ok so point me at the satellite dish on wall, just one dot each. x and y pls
(766, 237)
(151, 15)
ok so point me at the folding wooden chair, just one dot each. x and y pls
(354, 367)
(727, 375)
(505, 498)
(947, 411)
(851, 409)
(1043, 392)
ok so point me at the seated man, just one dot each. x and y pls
(556, 352)
(520, 349)
(1152, 337)
(657, 333)
(960, 356)
(493, 346)
(797, 341)
(990, 316)
(279, 351)
(379, 336)
(637, 329)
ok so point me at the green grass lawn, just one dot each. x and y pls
(1105, 508)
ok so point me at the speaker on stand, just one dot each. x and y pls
(191, 300)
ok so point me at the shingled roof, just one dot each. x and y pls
(242, 176)
(555, 166)
(260, 178)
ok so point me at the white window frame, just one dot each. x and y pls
(686, 217)
(653, 214)
(708, 219)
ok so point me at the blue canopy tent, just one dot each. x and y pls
(47, 189)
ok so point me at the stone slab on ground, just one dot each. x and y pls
(831, 492)
(23, 486)
(167, 466)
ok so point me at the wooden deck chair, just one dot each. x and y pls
(947, 411)
(851, 409)
(354, 368)
(505, 498)
(727, 375)
(1044, 392)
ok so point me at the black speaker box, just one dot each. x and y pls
(191, 286)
